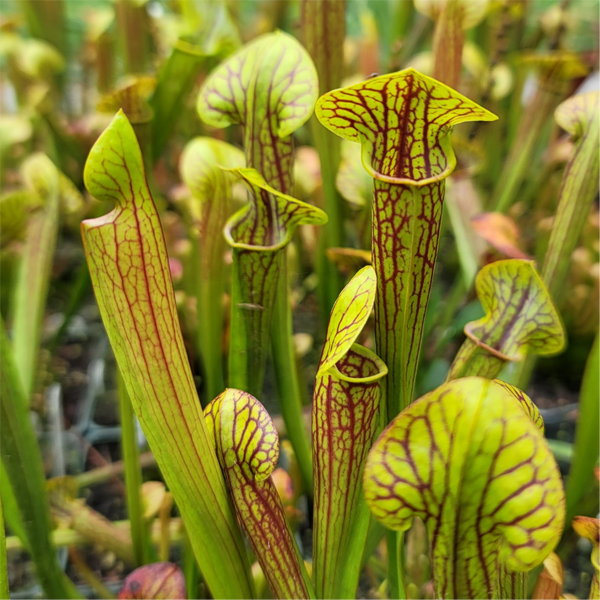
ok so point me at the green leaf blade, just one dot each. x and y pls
(128, 263)
(35, 268)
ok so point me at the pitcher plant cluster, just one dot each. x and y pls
(466, 464)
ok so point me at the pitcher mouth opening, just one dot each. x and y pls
(378, 366)
(490, 349)
(229, 238)
(367, 154)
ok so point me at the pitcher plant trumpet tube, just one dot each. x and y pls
(128, 263)
(258, 234)
(269, 87)
(468, 460)
(345, 421)
(403, 122)
(247, 445)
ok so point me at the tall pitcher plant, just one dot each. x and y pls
(403, 122)
(269, 88)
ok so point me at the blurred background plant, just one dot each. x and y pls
(67, 67)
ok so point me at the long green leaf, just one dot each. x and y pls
(176, 80)
(128, 264)
(587, 437)
(403, 123)
(35, 269)
(579, 116)
(246, 442)
(520, 320)
(345, 421)
(23, 464)
(323, 24)
(469, 461)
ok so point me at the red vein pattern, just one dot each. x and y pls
(345, 411)
(520, 319)
(526, 404)
(127, 258)
(345, 421)
(349, 315)
(248, 448)
(470, 462)
(269, 87)
(259, 234)
(403, 122)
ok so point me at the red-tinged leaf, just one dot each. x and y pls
(589, 528)
(156, 581)
(345, 420)
(452, 18)
(468, 460)
(520, 320)
(248, 448)
(259, 234)
(501, 232)
(128, 264)
(403, 123)
(550, 581)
